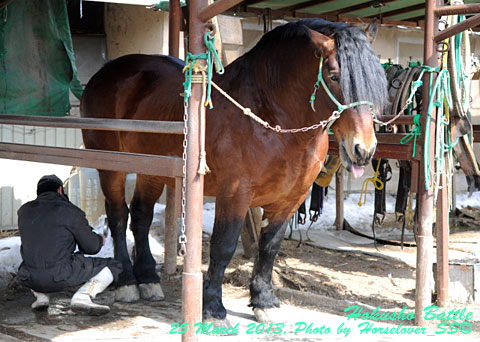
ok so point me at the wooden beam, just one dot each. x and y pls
(96, 159)
(216, 8)
(145, 126)
(388, 146)
(476, 133)
(284, 14)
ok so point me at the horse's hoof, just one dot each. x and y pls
(152, 292)
(127, 294)
(220, 327)
(266, 315)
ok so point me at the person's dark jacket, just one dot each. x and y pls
(50, 228)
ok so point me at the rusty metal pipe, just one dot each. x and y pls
(457, 28)
(217, 8)
(425, 198)
(457, 9)
(174, 18)
(192, 273)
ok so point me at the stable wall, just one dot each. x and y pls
(135, 29)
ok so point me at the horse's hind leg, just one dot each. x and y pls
(261, 290)
(113, 186)
(147, 191)
(229, 216)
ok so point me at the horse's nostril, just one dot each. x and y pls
(359, 152)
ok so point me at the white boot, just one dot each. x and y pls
(81, 300)
(42, 302)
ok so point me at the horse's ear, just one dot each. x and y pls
(371, 30)
(324, 44)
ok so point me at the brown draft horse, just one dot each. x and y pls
(251, 166)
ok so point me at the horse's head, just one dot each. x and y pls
(354, 85)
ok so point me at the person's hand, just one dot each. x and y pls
(103, 239)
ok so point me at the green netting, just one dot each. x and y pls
(164, 5)
(37, 65)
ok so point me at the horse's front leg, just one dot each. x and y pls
(262, 296)
(113, 186)
(229, 217)
(147, 191)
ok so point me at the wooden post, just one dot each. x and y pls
(454, 191)
(171, 233)
(425, 197)
(339, 198)
(442, 230)
(192, 277)
(171, 230)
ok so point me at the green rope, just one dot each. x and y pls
(461, 76)
(188, 70)
(416, 119)
(413, 134)
(442, 88)
(212, 58)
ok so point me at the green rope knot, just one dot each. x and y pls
(212, 58)
(430, 69)
(415, 133)
(190, 64)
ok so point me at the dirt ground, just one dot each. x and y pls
(305, 276)
(339, 275)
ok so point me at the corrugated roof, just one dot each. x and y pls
(396, 12)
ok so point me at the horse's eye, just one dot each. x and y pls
(333, 77)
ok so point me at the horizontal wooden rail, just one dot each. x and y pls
(144, 126)
(103, 160)
(401, 120)
(388, 146)
(476, 133)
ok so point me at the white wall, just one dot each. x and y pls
(18, 179)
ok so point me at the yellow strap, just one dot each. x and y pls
(377, 183)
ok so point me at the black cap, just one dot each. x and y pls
(48, 183)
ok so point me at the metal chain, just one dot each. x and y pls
(248, 112)
(386, 123)
(182, 239)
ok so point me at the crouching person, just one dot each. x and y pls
(50, 229)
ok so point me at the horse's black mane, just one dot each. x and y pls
(362, 77)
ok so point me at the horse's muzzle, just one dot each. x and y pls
(359, 156)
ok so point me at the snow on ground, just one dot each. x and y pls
(357, 216)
